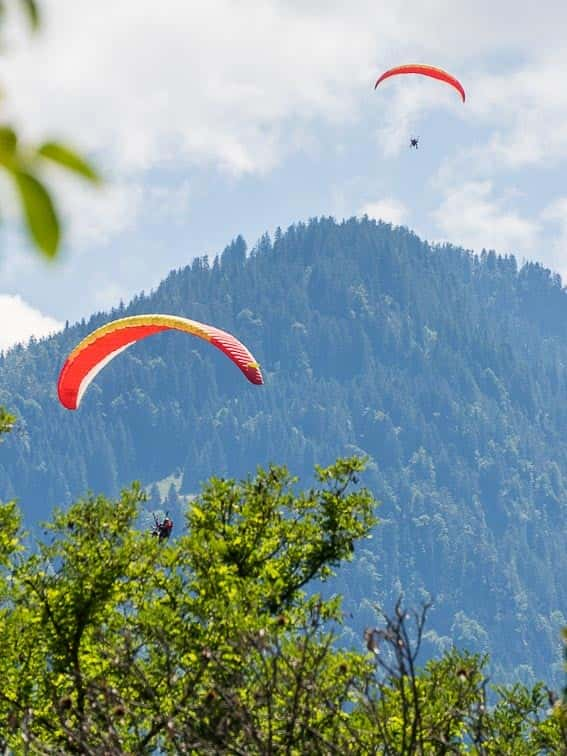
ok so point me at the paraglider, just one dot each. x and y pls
(102, 345)
(162, 528)
(432, 71)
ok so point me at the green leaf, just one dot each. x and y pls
(63, 155)
(41, 218)
(32, 11)
(8, 142)
(7, 421)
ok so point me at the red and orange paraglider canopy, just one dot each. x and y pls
(432, 71)
(99, 347)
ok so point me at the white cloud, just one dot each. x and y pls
(200, 82)
(171, 202)
(556, 211)
(108, 295)
(94, 215)
(555, 215)
(214, 80)
(91, 216)
(470, 215)
(388, 209)
(523, 115)
(19, 321)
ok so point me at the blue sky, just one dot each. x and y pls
(219, 117)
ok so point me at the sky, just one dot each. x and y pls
(215, 118)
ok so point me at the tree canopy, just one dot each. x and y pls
(114, 642)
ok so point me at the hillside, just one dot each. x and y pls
(447, 369)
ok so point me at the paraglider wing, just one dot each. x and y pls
(418, 68)
(98, 348)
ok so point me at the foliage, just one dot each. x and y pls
(116, 643)
(24, 165)
(445, 707)
(113, 620)
(6, 421)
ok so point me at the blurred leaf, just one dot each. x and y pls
(66, 157)
(32, 11)
(41, 218)
(8, 143)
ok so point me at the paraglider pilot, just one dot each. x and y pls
(414, 142)
(162, 529)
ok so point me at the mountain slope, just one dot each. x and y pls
(446, 369)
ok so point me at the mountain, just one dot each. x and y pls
(448, 370)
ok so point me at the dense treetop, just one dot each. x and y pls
(115, 642)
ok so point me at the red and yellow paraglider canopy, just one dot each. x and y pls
(99, 347)
(432, 71)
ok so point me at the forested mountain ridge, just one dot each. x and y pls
(448, 370)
